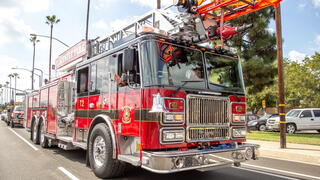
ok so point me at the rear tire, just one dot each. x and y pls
(43, 139)
(291, 128)
(101, 154)
(35, 133)
(11, 124)
(8, 123)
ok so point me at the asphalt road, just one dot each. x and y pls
(20, 159)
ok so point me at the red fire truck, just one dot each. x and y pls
(150, 97)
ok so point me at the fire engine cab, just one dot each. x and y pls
(149, 95)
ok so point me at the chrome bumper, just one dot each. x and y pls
(203, 160)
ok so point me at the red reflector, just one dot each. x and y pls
(238, 108)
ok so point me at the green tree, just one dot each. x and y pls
(302, 83)
(257, 48)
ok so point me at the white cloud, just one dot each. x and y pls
(296, 56)
(271, 30)
(114, 25)
(302, 5)
(13, 29)
(152, 3)
(317, 40)
(316, 3)
(34, 6)
(101, 24)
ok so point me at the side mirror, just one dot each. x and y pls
(128, 59)
(301, 116)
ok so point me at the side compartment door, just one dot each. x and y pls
(82, 102)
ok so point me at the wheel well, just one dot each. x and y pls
(98, 120)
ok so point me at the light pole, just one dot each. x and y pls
(158, 4)
(51, 20)
(10, 90)
(87, 23)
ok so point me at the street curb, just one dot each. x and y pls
(294, 152)
(314, 160)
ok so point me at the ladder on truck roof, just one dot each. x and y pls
(159, 19)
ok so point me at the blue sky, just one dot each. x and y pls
(19, 18)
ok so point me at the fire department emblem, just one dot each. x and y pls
(126, 114)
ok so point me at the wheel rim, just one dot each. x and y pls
(99, 149)
(291, 129)
(34, 132)
(262, 128)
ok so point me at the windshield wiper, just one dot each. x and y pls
(187, 81)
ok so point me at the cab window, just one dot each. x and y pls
(305, 114)
(82, 81)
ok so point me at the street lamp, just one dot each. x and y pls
(44, 36)
(40, 76)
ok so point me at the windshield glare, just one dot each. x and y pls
(18, 108)
(293, 113)
(173, 65)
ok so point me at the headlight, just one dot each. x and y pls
(237, 118)
(173, 118)
(172, 135)
(239, 132)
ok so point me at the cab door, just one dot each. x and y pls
(82, 102)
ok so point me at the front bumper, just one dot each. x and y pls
(203, 160)
(18, 121)
(272, 127)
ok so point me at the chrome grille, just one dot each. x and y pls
(207, 110)
(207, 118)
(208, 134)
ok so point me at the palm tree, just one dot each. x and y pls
(16, 75)
(34, 40)
(51, 20)
(10, 76)
(7, 86)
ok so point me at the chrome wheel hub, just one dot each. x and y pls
(290, 129)
(99, 150)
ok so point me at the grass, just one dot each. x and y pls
(311, 139)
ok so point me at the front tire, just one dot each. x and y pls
(11, 124)
(291, 128)
(101, 154)
(43, 139)
(262, 127)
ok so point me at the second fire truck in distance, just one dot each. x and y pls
(148, 97)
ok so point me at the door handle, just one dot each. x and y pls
(312, 119)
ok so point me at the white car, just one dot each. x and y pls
(298, 119)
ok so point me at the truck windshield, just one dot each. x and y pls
(223, 73)
(167, 64)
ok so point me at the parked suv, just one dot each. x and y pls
(298, 119)
(17, 116)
